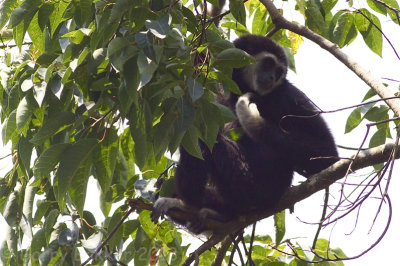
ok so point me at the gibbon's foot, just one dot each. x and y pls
(198, 226)
(162, 205)
(195, 225)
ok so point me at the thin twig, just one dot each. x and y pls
(322, 218)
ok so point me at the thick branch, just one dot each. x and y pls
(364, 74)
(323, 180)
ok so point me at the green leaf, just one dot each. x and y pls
(196, 90)
(226, 81)
(119, 9)
(50, 252)
(24, 114)
(210, 123)
(85, 8)
(160, 27)
(226, 114)
(129, 85)
(237, 27)
(328, 5)
(9, 127)
(220, 45)
(117, 237)
(6, 8)
(252, 5)
(233, 58)
(392, 14)
(92, 242)
(353, 120)
(377, 7)
(344, 31)
(54, 124)
(116, 45)
(147, 224)
(130, 227)
(26, 85)
(367, 24)
(104, 159)
(48, 160)
(186, 113)
(142, 246)
(24, 155)
(11, 210)
(76, 36)
(39, 91)
(11, 237)
(376, 114)
(29, 196)
(138, 134)
(259, 21)
(77, 189)
(314, 18)
(167, 188)
(70, 163)
(238, 11)
(166, 233)
(36, 34)
(370, 93)
(191, 142)
(146, 69)
(17, 16)
(280, 228)
(38, 242)
(44, 13)
(145, 42)
(126, 147)
(163, 132)
(57, 16)
(88, 228)
(378, 138)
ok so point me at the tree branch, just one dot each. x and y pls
(364, 74)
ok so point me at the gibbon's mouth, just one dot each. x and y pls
(263, 89)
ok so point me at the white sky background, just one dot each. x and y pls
(331, 86)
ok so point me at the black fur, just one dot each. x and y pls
(253, 173)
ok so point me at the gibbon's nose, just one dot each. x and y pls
(266, 79)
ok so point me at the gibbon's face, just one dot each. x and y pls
(265, 74)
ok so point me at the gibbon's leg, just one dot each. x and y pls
(190, 179)
(197, 225)
(213, 205)
(249, 117)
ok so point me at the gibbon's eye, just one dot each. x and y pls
(267, 62)
(278, 73)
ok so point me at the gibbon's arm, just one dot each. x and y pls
(249, 117)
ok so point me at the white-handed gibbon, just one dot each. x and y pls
(283, 133)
